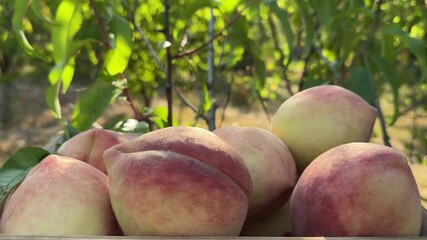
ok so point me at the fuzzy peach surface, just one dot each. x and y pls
(270, 164)
(167, 193)
(357, 189)
(319, 118)
(60, 197)
(89, 146)
(178, 181)
(198, 143)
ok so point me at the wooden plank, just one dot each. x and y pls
(197, 238)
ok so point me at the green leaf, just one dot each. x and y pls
(186, 11)
(387, 48)
(55, 73)
(52, 100)
(307, 20)
(239, 41)
(132, 126)
(239, 33)
(141, 127)
(76, 45)
(112, 122)
(37, 6)
(388, 70)
(259, 75)
(360, 84)
(206, 101)
(326, 10)
(69, 131)
(418, 47)
(93, 102)
(89, 30)
(393, 30)
(283, 17)
(62, 74)
(17, 167)
(116, 59)
(117, 4)
(229, 6)
(160, 117)
(21, 7)
(67, 22)
(67, 75)
(234, 55)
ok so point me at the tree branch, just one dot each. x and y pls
(147, 42)
(283, 66)
(106, 42)
(101, 25)
(370, 38)
(138, 116)
(331, 66)
(227, 102)
(210, 78)
(305, 71)
(217, 35)
(169, 81)
(386, 137)
(185, 100)
(155, 56)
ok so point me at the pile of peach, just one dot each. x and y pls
(313, 173)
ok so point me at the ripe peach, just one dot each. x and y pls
(89, 146)
(357, 189)
(60, 196)
(271, 165)
(178, 181)
(319, 118)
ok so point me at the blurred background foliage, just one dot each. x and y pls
(256, 54)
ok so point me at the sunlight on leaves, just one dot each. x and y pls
(21, 7)
(116, 60)
(67, 22)
(52, 100)
(93, 102)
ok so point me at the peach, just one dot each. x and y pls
(320, 118)
(357, 189)
(63, 197)
(271, 165)
(89, 146)
(178, 181)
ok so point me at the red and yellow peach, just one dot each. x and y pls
(178, 181)
(320, 118)
(357, 189)
(61, 197)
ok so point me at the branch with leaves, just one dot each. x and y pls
(216, 35)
